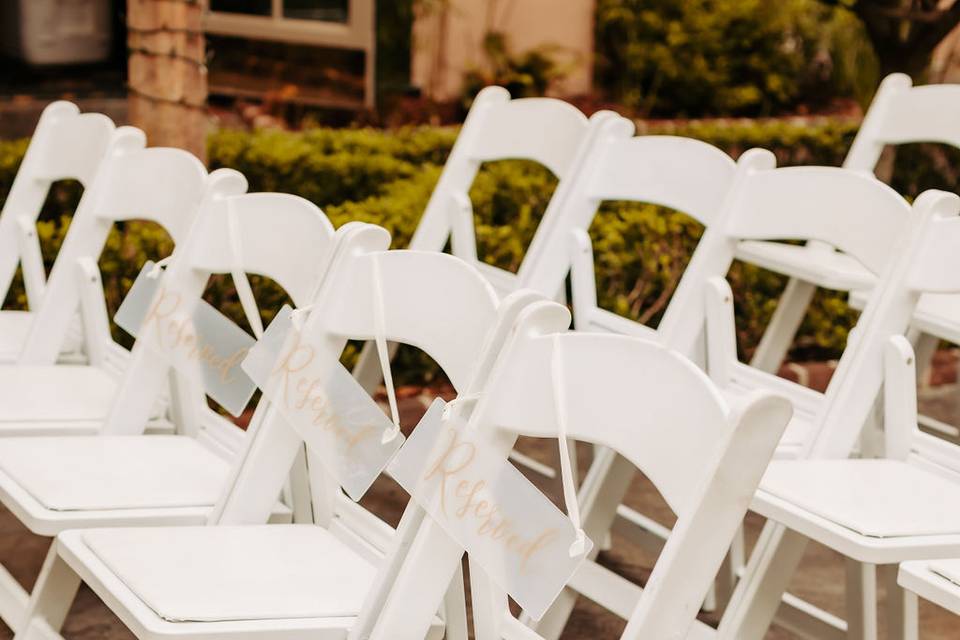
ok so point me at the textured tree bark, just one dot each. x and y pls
(904, 33)
(168, 73)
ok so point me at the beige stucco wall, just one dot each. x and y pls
(448, 37)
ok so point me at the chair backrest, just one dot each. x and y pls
(900, 114)
(915, 262)
(162, 185)
(672, 171)
(852, 211)
(684, 174)
(454, 320)
(705, 458)
(918, 259)
(249, 243)
(845, 208)
(448, 320)
(66, 144)
(546, 130)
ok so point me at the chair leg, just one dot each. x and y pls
(38, 629)
(595, 452)
(758, 593)
(51, 599)
(778, 337)
(727, 578)
(872, 441)
(602, 492)
(299, 485)
(903, 620)
(455, 609)
(861, 598)
(711, 601)
(13, 600)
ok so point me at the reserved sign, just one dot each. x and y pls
(484, 503)
(197, 340)
(333, 414)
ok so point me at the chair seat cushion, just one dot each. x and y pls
(949, 569)
(55, 393)
(211, 574)
(875, 498)
(829, 269)
(86, 473)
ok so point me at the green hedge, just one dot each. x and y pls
(328, 166)
(386, 177)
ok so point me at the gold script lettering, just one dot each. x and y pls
(301, 391)
(456, 476)
(176, 334)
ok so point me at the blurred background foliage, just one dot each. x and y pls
(386, 177)
(696, 58)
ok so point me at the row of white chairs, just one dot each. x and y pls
(876, 512)
(104, 495)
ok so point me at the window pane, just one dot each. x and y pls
(252, 7)
(325, 10)
(286, 73)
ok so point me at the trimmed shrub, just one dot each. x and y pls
(277, 157)
(795, 141)
(700, 58)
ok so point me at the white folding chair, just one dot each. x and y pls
(65, 145)
(142, 574)
(546, 130)
(764, 203)
(680, 173)
(316, 576)
(121, 477)
(708, 487)
(899, 114)
(166, 186)
(876, 512)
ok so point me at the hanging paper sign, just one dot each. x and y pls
(200, 342)
(484, 503)
(334, 415)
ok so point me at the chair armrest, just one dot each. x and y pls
(31, 261)
(899, 397)
(721, 331)
(583, 283)
(93, 311)
(463, 239)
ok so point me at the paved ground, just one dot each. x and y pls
(820, 579)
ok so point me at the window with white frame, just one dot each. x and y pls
(344, 24)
